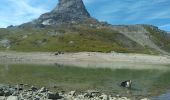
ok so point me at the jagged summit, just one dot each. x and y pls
(66, 11)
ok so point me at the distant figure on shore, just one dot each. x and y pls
(58, 53)
(126, 84)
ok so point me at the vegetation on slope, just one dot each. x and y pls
(69, 38)
(159, 37)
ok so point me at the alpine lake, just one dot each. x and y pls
(152, 83)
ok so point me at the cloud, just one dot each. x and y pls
(154, 12)
(165, 27)
(19, 11)
(131, 11)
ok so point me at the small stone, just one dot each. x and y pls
(112, 98)
(12, 98)
(43, 89)
(37, 98)
(72, 93)
(123, 98)
(15, 94)
(1, 93)
(104, 97)
(26, 85)
(145, 99)
(80, 97)
(7, 93)
(51, 95)
(33, 88)
(71, 42)
(93, 93)
(21, 84)
(117, 95)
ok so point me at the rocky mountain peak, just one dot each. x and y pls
(66, 11)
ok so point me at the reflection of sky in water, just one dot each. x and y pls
(165, 96)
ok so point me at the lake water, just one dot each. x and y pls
(165, 96)
(146, 82)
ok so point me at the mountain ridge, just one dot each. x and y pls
(66, 11)
(70, 28)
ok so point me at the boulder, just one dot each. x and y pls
(1, 92)
(7, 93)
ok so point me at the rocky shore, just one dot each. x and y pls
(26, 92)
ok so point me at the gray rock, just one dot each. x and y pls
(72, 93)
(33, 88)
(25, 36)
(67, 11)
(12, 98)
(112, 98)
(123, 98)
(80, 97)
(145, 99)
(92, 93)
(4, 42)
(51, 95)
(43, 89)
(1, 92)
(104, 97)
(7, 93)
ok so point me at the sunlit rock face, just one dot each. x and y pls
(66, 11)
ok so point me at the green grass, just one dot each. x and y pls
(159, 38)
(83, 38)
(74, 38)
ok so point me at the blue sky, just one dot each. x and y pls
(155, 12)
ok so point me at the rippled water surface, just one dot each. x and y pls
(146, 82)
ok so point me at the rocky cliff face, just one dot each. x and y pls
(67, 11)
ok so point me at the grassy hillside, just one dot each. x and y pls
(66, 38)
(159, 37)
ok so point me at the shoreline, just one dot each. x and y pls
(87, 59)
(27, 92)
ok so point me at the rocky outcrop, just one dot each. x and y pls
(67, 11)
